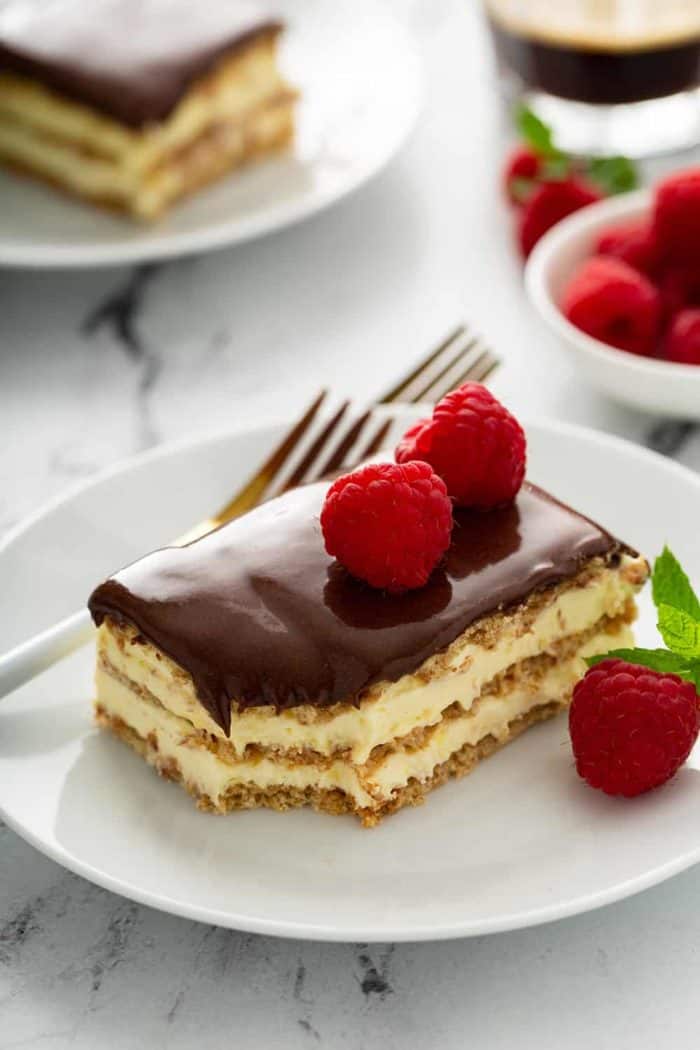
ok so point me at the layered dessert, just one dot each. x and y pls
(253, 669)
(134, 104)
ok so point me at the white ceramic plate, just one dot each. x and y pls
(360, 78)
(519, 842)
(643, 382)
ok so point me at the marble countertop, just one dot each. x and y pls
(98, 365)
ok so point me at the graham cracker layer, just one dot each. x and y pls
(243, 796)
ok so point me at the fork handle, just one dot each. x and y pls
(29, 659)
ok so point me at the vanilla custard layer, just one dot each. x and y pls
(391, 710)
(223, 146)
(171, 738)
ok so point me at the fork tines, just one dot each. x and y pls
(323, 442)
(461, 357)
(348, 436)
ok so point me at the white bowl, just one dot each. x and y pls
(643, 382)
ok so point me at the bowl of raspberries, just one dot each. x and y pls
(619, 282)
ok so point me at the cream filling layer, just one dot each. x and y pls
(369, 788)
(414, 700)
(143, 191)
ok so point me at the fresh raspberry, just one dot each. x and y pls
(682, 342)
(633, 243)
(474, 444)
(631, 728)
(550, 202)
(610, 301)
(677, 216)
(679, 286)
(388, 524)
(522, 163)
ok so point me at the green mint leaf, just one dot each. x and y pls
(692, 674)
(656, 659)
(671, 586)
(678, 609)
(680, 631)
(535, 132)
(556, 168)
(521, 188)
(613, 174)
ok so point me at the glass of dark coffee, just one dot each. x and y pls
(609, 76)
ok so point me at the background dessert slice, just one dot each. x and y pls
(253, 668)
(136, 103)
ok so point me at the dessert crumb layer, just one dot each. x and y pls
(335, 802)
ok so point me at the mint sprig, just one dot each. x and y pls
(611, 174)
(521, 188)
(656, 659)
(556, 168)
(535, 132)
(678, 612)
(671, 586)
(680, 632)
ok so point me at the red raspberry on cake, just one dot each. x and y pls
(474, 444)
(611, 301)
(631, 728)
(550, 202)
(677, 217)
(633, 243)
(522, 164)
(388, 524)
(682, 342)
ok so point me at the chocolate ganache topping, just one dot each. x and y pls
(258, 613)
(130, 59)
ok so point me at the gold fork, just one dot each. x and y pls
(458, 358)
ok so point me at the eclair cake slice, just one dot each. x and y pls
(134, 104)
(250, 667)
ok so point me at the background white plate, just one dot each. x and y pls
(519, 842)
(360, 79)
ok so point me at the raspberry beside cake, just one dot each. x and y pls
(252, 668)
(136, 103)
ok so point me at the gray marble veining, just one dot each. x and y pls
(98, 365)
(81, 968)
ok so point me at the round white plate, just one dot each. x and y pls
(519, 842)
(361, 84)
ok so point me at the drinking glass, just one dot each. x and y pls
(609, 76)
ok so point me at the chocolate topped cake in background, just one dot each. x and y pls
(136, 103)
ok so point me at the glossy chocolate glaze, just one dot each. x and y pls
(258, 612)
(130, 59)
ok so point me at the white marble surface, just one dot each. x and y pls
(97, 365)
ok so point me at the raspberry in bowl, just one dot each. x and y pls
(654, 380)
